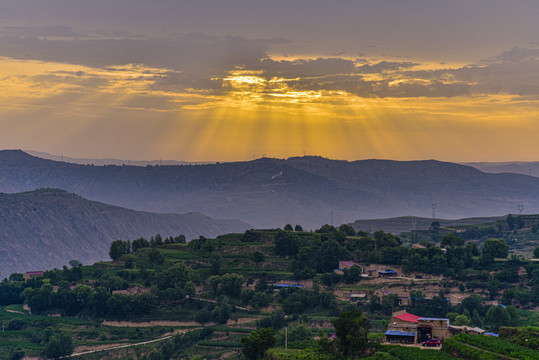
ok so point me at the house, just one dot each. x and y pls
(32, 274)
(358, 297)
(465, 330)
(410, 328)
(346, 264)
(418, 246)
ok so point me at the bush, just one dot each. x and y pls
(15, 324)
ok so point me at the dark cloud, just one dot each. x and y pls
(201, 62)
(194, 53)
(41, 32)
(519, 54)
(306, 67)
(384, 66)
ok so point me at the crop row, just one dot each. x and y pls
(464, 351)
(499, 346)
(524, 336)
(409, 353)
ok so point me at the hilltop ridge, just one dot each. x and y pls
(46, 228)
(308, 190)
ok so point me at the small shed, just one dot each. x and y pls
(387, 273)
(396, 336)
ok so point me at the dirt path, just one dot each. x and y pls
(172, 323)
(14, 311)
(122, 346)
(115, 347)
(149, 323)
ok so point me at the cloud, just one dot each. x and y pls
(519, 54)
(196, 53)
(195, 69)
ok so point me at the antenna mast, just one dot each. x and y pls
(520, 208)
(433, 206)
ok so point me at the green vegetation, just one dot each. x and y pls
(481, 347)
(407, 353)
(227, 285)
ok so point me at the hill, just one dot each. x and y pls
(111, 161)
(406, 223)
(517, 167)
(309, 191)
(46, 228)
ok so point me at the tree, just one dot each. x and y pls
(298, 228)
(59, 345)
(352, 330)
(214, 281)
(347, 229)
(286, 243)
(435, 226)
(258, 256)
(15, 324)
(74, 263)
(16, 354)
(352, 275)
(231, 284)
(296, 332)
(497, 316)
(451, 240)
(216, 261)
(495, 248)
(257, 343)
(510, 221)
(536, 253)
(461, 320)
(288, 227)
(118, 248)
(326, 229)
(250, 236)
(139, 244)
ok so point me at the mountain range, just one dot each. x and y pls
(46, 228)
(266, 192)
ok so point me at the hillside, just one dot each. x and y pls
(516, 167)
(406, 223)
(214, 292)
(272, 192)
(46, 228)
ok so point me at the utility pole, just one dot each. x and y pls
(286, 338)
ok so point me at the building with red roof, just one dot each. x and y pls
(410, 328)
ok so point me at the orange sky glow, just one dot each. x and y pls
(238, 98)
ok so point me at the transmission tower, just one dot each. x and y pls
(331, 217)
(520, 208)
(433, 206)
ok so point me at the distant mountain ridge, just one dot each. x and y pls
(309, 191)
(530, 168)
(112, 161)
(46, 228)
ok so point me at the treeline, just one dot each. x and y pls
(121, 247)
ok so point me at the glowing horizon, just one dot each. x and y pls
(189, 95)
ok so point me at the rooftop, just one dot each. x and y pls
(407, 317)
(400, 333)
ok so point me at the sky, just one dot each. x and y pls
(229, 80)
